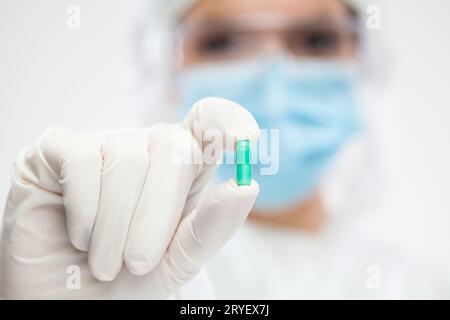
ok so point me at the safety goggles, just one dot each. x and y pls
(258, 34)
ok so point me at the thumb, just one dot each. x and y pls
(201, 234)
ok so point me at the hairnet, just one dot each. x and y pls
(170, 11)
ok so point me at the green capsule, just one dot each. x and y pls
(243, 166)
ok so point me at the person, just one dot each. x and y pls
(296, 66)
(113, 215)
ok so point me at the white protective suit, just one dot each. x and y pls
(262, 262)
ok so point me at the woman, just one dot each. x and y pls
(294, 65)
(137, 224)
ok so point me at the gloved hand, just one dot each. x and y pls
(82, 207)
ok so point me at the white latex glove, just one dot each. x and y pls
(89, 205)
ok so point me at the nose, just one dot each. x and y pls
(271, 44)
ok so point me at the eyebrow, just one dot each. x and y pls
(242, 23)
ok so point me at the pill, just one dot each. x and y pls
(243, 166)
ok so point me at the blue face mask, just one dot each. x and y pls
(311, 103)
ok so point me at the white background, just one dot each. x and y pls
(50, 75)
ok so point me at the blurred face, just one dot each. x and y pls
(224, 30)
(289, 63)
